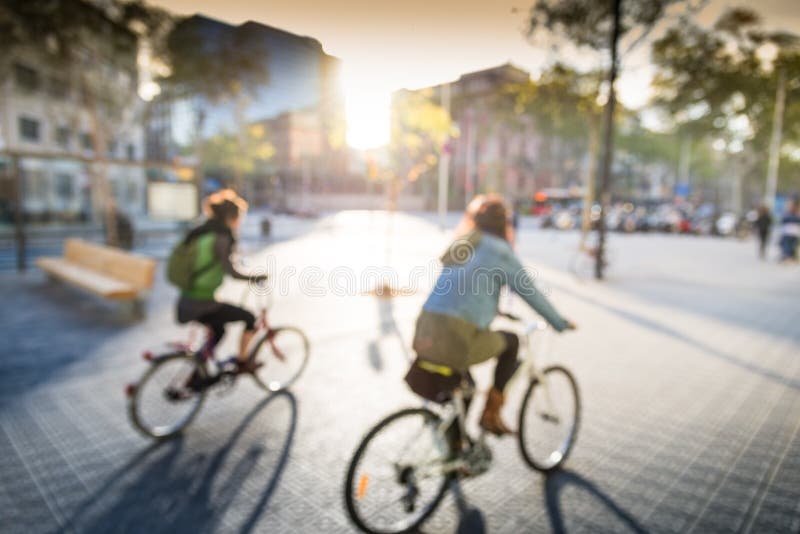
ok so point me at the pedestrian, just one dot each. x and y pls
(763, 225)
(121, 232)
(790, 232)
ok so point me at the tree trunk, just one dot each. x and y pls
(775, 142)
(608, 149)
(103, 199)
(588, 195)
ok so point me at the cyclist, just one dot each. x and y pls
(216, 239)
(452, 331)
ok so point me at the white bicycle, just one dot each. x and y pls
(401, 470)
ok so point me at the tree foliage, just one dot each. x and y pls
(241, 154)
(588, 22)
(562, 102)
(217, 66)
(719, 83)
(421, 128)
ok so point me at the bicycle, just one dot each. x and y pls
(419, 453)
(583, 260)
(170, 393)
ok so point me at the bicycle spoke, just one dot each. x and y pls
(418, 480)
(549, 419)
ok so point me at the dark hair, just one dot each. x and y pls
(224, 205)
(224, 210)
(492, 217)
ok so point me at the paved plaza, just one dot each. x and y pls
(687, 358)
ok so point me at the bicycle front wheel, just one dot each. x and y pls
(549, 419)
(283, 355)
(168, 396)
(398, 475)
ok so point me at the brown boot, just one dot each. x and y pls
(491, 420)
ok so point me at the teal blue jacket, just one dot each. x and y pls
(469, 285)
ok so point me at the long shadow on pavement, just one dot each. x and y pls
(555, 482)
(388, 329)
(680, 336)
(470, 518)
(720, 302)
(48, 327)
(175, 490)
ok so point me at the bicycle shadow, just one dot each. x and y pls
(554, 484)
(184, 490)
(470, 518)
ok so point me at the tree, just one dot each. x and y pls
(719, 83)
(562, 103)
(421, 128)
(218, 67)
(599, 25)
(241, 154)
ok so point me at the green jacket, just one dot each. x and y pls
(210, 267)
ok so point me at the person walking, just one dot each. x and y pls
(790, 232)
(763, 226)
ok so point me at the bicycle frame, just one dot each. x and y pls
(534, 372)
(455, 409)
(204, 355)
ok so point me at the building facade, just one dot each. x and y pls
(299, 102)
(494, 148)
(54, 120)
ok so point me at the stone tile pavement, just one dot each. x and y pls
(688, 360)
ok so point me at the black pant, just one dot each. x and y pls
(763, 239)
(507, 362)
(225, 313)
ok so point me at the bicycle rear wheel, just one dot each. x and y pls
(397, 476)
(283, 353)
(168, 396)
(549, 419)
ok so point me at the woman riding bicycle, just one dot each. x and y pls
(452, 331)
(216, 239)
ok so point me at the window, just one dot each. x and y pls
(29, 129)
(112, 147)
(87, 143)
(26, 77)
(58, 88)
(64, 186)
(63, 136)
(131, 152)
(34, 184)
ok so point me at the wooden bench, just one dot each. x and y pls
(104, 271)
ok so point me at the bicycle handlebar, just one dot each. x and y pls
(530, 326)
(263, 298)
(510, 316)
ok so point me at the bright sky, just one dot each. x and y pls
(385, 46)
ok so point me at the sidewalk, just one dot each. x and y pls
(686, 359)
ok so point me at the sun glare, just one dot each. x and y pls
(367, 111)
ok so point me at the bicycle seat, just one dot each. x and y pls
(465, 384)
(434, 381)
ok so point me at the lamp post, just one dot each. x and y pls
(444, 163)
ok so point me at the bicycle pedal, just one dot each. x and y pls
(478, 459)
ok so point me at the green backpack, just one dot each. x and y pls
(180, 265)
